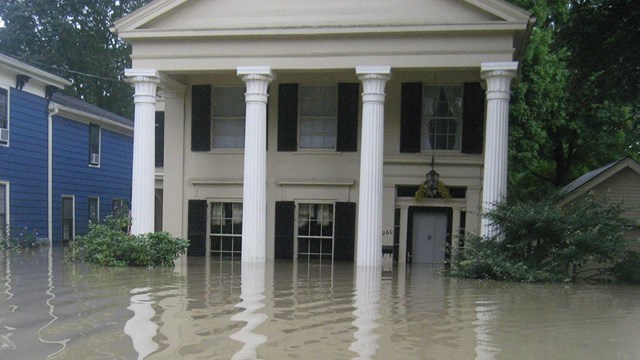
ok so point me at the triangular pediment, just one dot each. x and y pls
(225, 15)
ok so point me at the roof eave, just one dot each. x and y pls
(328, 30)
(33, 72)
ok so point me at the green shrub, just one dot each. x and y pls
(21, 239)
(628, 270)
(109, 244)
(540, 241)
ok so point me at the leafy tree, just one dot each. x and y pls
(562, 123)
(71, 38)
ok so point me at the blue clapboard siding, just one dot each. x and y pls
(73, 176)
(24, 162)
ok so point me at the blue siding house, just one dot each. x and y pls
(63, 162)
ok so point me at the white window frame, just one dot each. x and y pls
(95, 164)
(320, 256)
(2, 143)
(425, 121)
(210, 235)
(97, 208)
(73, 216)
(301, 118)
(241, 119)
(7, 213)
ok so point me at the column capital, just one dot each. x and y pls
(374, 79)
(257, 79)
(142, 75)
(498, 77)
(145, 82)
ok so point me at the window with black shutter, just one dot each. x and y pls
(442, 117)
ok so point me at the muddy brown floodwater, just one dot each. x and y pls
(221, 309)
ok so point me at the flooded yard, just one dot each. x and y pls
(213, 309)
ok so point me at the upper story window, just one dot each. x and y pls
(318, 112)
(4, 209)
(4, 117)
(228, 117)
(94, 145)
(441, 118)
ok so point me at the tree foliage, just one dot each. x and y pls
(568, 115)
(71, 38)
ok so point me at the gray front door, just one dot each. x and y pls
(429, 237)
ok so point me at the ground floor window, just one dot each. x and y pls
(225, 234)
(94, 210)
(4, 209)
(68, 218)
(119, 207)
(315, 231)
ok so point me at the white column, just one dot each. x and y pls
(494, 186)
(369, 247)
(254, 192)
(145, 83)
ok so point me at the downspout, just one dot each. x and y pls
(53, 110)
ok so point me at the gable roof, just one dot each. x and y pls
(178, 18)
(591, 179)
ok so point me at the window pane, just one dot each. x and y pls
(228, 133)
(94, 139)
(93, 210)
(442, 116)
(3, 200)
(3, 108)
(318, 100)
(228, 102)
(228, 118)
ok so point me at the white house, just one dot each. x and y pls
(298, 129)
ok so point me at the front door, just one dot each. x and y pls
(429, 237)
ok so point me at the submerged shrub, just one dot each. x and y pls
(21, 239)
(540, 241)
(109, 244)
(628, 270)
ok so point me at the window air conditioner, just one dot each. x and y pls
(4, 135)
(95, 159)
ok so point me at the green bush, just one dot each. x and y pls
(628, 270)
(21, 239)
(109, 244)
(540, 241)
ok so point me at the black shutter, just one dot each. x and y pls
(284, 229)
(473, 119)
(410, 117)
(288, 117)
(345, 231)
(159, 138)
(201, 118)
(348, 105)
(197, 228)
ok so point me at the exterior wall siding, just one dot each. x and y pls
(24, 163)
(72, 174)
(623, 188)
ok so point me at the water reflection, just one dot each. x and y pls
(218, 309)
(366, 312)
(253, 286)
(140, 328)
